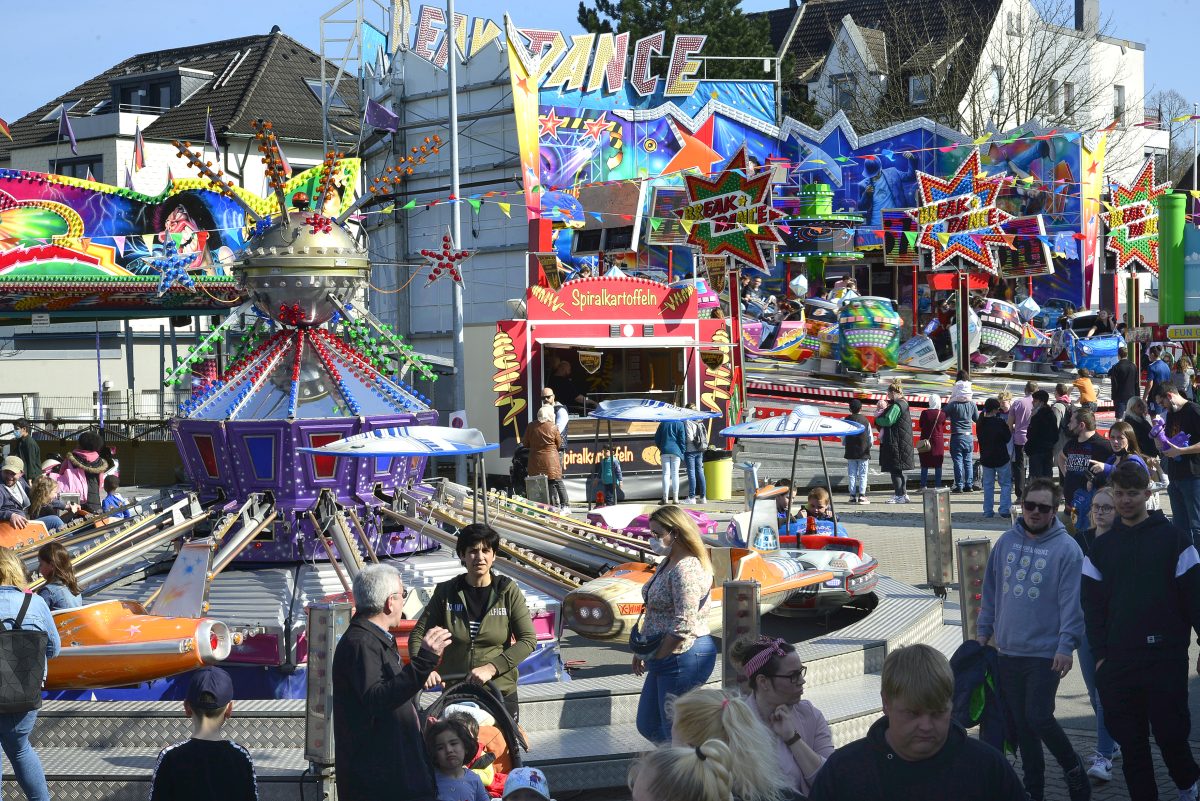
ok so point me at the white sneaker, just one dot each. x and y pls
(904, 499)
(897, 499)
(1101, 769)
(566, 510)
(689, 499)
(1190, 793)
(702, 500)
(862, 499)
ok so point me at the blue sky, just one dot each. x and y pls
(39, 67)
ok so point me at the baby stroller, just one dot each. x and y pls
(502, 739)
(518, 470)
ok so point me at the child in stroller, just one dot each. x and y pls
(518, 470)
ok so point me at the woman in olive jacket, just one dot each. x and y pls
(487, 616)
(896, 440)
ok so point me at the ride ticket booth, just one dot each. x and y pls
(604, 338)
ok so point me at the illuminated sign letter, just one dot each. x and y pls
(483, 33)
(640, 80)
(427, 33)
(682, 67)
(572, 70)
(540, 40)
(608, 67)
(460, 37)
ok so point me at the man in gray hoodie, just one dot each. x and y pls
(1031, 614)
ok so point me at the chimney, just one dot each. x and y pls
(1087, 16)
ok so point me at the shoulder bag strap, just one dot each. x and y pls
(24, 608)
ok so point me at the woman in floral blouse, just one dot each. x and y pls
(676, 607)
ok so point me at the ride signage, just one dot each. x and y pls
(732, 214)
(959, 219)
(1132, 220)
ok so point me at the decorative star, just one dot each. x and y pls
(1132, 219)
(722, 226)
(549, 124)
(447, 260)
(523, 84)
(948, 211)
(597, 126)
(134, 630)
(319, 223)
(695, 150)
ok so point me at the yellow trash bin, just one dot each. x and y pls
(718, 475)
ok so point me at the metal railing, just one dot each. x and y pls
(126, 415)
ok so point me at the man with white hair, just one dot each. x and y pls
(378, 749)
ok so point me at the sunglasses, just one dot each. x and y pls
(1044, 508)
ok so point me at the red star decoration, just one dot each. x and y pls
(523, 85)
(1132, 220)
(447, 260)
(695, 151)
(549, 124)
(973, 245)
(734, 238)
(597, 126)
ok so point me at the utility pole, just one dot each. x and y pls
(460, 389)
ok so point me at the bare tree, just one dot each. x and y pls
(1167, 105)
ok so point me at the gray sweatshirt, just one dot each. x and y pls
(1031, 593)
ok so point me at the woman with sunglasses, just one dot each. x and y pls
(775, 676)
(1103, 515)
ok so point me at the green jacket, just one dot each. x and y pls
(505, 638)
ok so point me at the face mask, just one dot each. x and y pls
(659, 547)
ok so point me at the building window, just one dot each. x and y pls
(843, 92)
(1054, 95)
(149, 97)
(1014, 23)
(57, 111)
(78, 167)
(920, 88)
(1119, 104)
(1068, 93)
(336, 103)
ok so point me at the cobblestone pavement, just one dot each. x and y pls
(894, 534)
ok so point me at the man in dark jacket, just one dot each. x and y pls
(1124, 378)
(24, 447)
(914, 751)
(1043, 436)
(994, 436)
(378, 748)
(1141, 596)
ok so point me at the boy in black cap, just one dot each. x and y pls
(207, 766)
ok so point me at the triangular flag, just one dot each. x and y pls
(911, 236)
(1195, 193)
(505, 207)
(475, 204)
(4, 129)
(687, 225)
(787, 229)
(655, 222)
(177, 237)
(212, 135)
(90, 177)
(944, 239)
(128, 178)
(1184, 118)
(599, 217)
(410, 204)
(139, 148)
(388, 209)
(119, 244)
(982, 139)
(753, 227)
(65, 129)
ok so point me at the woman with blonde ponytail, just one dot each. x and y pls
(705, 714)
(680, 773)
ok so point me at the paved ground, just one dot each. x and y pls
(895, 536)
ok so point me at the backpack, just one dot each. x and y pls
(697, 435)
(1064, 424)
(22, 664)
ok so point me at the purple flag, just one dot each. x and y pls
(64, 128)
(212, 137)
(379, 117)
(128, 179)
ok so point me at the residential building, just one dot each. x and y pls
(989, 65)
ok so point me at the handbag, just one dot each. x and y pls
(640, 644)
(22, 664)
(924, 446)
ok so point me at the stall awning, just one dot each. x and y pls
(628, 342)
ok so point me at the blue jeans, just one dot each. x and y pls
(670, 477)
(1119, 407)
(990, 476)
(857, 469)
(1029, 688)
(693, 462)
(52, 522)
(1185, 504)
(960, 455)
(674, 675)
(26, 766)
(1087, 667)
(937, 476)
